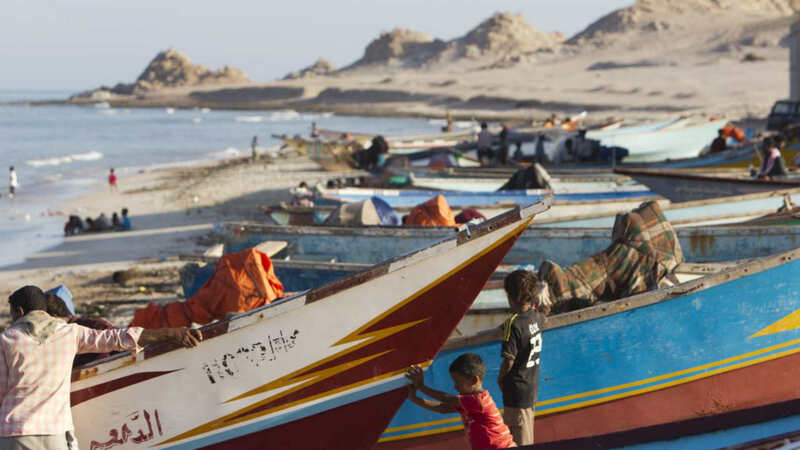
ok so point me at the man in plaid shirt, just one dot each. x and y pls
(36, 354)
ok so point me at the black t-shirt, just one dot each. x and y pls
(522, 342)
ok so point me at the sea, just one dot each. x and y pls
(62, 151)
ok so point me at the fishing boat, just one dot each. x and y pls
(725, 210)
(564, 246)
(681, 142)
(311, 361)
(683, 187)
(408, 198)
(704, 364)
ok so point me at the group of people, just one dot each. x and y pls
(118, 222)
(486, 428)
(486, 153)
(37, 354)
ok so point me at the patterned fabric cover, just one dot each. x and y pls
(644, 249)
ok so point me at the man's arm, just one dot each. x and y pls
(103, 341)
(185, 337)
(440, 407)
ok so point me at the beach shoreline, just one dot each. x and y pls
(174, 211)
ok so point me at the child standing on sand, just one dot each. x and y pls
(482, 421)
(112, 180)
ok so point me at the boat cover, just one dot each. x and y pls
(241, 282)
(644, 249)
(526, 178)
(374, 211)
(433, 213)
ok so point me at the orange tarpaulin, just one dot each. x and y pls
(242, 281)
(433, 213)
(734, 132)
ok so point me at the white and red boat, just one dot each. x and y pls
(322, 369)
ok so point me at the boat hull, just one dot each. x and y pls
(706, 364)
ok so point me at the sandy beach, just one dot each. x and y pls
(173, 212)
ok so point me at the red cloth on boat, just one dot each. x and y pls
(737, 133)
(433, 213)
(242, 281)
(468, 215)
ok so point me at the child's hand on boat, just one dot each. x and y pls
(414, 374)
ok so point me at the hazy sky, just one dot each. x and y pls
(80, 44)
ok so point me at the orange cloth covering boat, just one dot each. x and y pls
(730, 131)
(433, 213)
(242, 281)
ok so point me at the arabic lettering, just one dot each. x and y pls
(142, 421)
(255, 354)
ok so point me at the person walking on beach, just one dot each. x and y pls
(36, 354)
(521, 348)
(112, 180)
(253, 146)
(13, 183)
(484, 144)
(482, 421)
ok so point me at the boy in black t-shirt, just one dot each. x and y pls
(529, 299)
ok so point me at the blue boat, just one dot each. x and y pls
(705, 364)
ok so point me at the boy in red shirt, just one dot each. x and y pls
(112, 180)
(482, 421)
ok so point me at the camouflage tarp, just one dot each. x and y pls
(644, 250)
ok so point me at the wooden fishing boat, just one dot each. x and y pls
(313, 361)
(563, 209)
(565, 246)
(681, 142)
(491, 183)
(408, 198)
(705, 364)
(683, 187)
(726, 210)
(644, 128)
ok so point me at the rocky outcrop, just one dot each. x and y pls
(649, 16)
(318, 69)
(169, 69)
(400, 47)
(504, 36)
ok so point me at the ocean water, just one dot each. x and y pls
(61, 151)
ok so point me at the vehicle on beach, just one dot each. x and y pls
(783, 113)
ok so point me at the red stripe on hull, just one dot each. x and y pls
(634, 419)
(82, 395)
(354, 426)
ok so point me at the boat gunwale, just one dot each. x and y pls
(746, 268)
(675, 174)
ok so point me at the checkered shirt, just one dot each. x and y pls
(35, 378)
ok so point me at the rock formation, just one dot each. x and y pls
(319, 68)
(648, 16)
(170, 69)
(504, 36)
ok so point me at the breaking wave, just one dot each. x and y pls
(59, 160)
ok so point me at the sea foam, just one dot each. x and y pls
(66, 159)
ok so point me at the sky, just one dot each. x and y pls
(82, 44)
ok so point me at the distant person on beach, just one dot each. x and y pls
(482, 421)
(126, 221)
(314, 132)
(36, 370)
(302, 195)
(115, 223)
(520, 351)
(13, 182)
(484, 144)
(112, 180)
(73, 226)
(253, 146)
(720, 144)
(771, 160)
(502, 152)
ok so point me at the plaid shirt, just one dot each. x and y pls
(35, 378)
